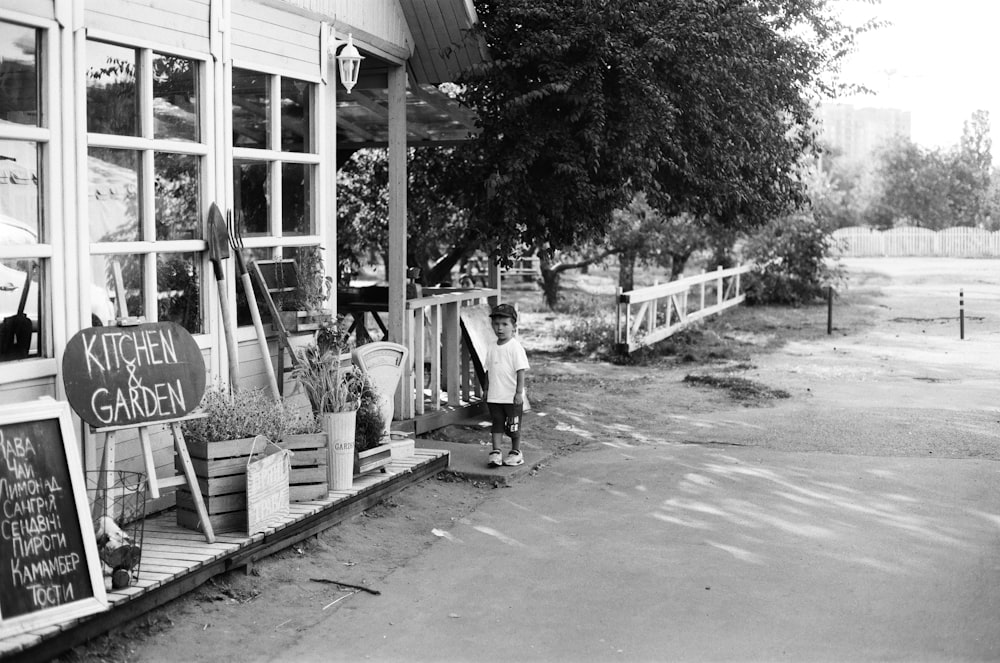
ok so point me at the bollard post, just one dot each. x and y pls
(829, 310)
(961, 314)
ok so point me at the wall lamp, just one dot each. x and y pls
(348, 62)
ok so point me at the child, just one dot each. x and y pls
(506, 363)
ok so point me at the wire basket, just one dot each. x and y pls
(118, 509)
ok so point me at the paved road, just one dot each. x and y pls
(733, 536)
(693, 553)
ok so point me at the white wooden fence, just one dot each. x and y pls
(648, 315)
(860, 242)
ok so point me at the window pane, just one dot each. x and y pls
(178, 193)
(250, 108)
(19, 101)
(111, 90)
(250, 196)
(296, 188)
(175, 98)
(295, 115)
(19, 222)
(113, 201)
(132, 271)
(19, 309)
(243, 316)
(178, 284)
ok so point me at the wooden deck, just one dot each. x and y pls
(177, 560)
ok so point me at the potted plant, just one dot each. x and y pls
(220, 442)
(371, 449)
(309, 309)
(334, 393)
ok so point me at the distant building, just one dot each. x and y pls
(855, 133)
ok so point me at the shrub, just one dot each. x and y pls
(790, 254)
(370, 425)
(245, 413)
(592, 330)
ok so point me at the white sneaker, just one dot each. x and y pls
(514, 458)
(496, 458)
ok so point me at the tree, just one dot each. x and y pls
(915, 187)
(706, 106)
(971, 171)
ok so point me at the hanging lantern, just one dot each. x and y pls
(349, 62)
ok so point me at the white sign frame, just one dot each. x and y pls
(42, 410)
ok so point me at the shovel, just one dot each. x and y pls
(218, 250)
(15, 330)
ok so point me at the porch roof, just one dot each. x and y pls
(443, 46)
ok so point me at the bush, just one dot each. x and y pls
(246, 413)
(790, 254)
(592, 330)
(370, 425)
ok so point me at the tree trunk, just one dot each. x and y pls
(626, 271)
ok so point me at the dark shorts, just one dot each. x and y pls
(505, 418)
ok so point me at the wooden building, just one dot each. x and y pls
(123, 121)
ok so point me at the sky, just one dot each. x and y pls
(939, 59)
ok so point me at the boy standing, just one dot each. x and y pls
(505, 366)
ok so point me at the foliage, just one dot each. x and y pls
(315, 284)
(436, 226)
(790, 256)
(706, 105)
(245, 413)
(329, 385)
(370, 426)
(592, 330)
(934, 188)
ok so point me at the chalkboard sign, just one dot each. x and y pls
(49, 566)
(132, 376)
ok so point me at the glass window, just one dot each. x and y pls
(178, 205)
(111, 90)
(145, 205)
(175, 101)
(19, 101)
(273, 175)
(294, 115)
(251, 99)
(24, 249)
(113, 195)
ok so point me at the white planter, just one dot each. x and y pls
(339, 427)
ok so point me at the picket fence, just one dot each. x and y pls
(861, 242)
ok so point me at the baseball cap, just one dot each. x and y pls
(504, 311)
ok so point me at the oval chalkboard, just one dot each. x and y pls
(130, 376)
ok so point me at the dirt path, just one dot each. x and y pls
(893, 363)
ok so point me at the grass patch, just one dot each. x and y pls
(740, 389)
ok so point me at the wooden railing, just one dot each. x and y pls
(440, 368)
(648, 315)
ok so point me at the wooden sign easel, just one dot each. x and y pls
(154, 484)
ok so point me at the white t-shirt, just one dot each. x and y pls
(502, 364)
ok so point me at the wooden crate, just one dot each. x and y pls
(307, 479)
(221, 468)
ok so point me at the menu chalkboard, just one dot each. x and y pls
(49, 566)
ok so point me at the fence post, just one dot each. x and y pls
(718, 286)
(961, 314)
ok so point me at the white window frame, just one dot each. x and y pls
(275, 158)
(51, 243)
(147, 147)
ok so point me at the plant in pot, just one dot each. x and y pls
(371, 449)
(220, 442)
(334, 393)
(310, 310)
